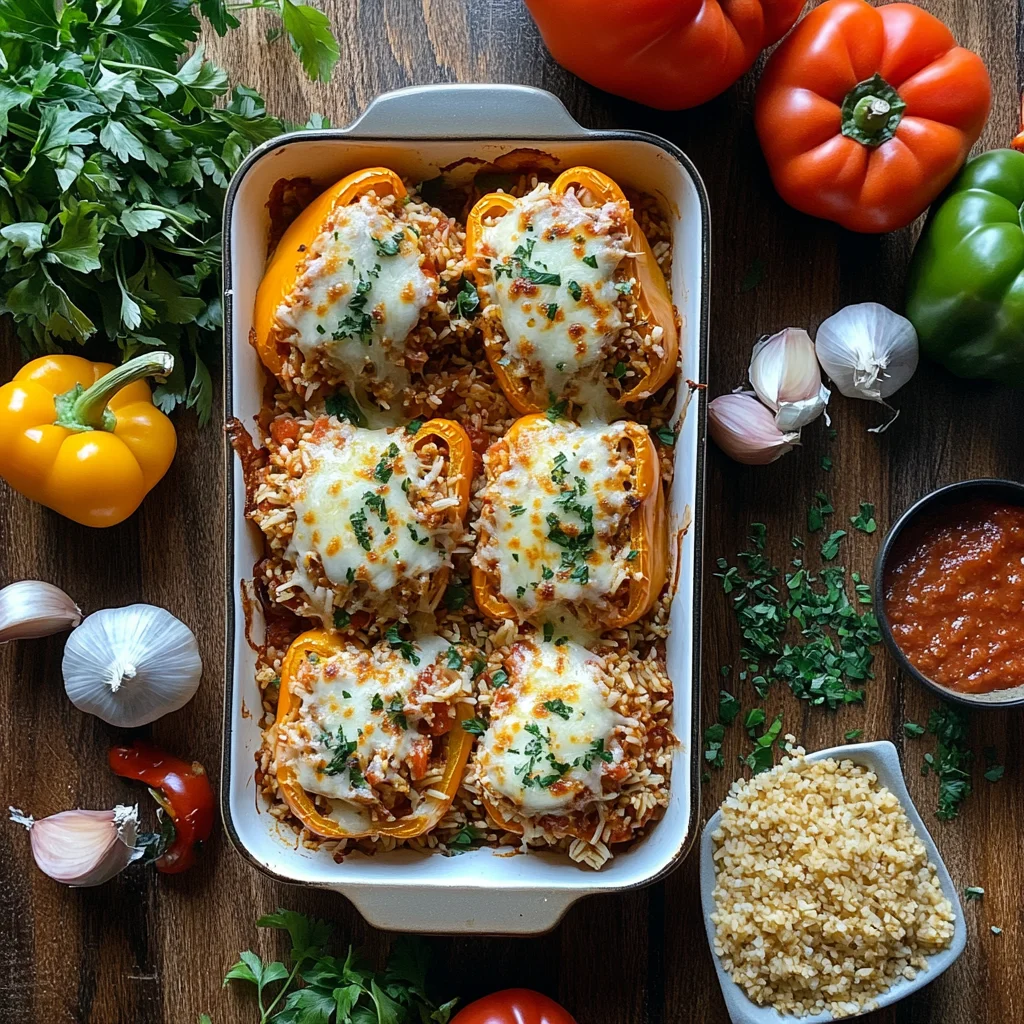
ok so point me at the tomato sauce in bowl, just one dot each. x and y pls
(954, 595)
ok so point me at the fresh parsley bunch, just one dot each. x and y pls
(113, 165)
(321, 989)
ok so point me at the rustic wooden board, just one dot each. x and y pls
(152, 950)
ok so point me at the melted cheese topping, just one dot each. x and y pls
(354, 516)
(551, 730)
(554, 515)
(553, 263)
(360, 293)
(357, 718)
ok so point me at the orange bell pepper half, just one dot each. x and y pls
(866, 113)
(647, 536)
(458, 745)
(669, 54)
(85, 438)
(283, 269)
(653, 299)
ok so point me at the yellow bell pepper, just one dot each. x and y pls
(458, 744)
(84, 438)
(653, 300)
(283, 268)
(647, 535)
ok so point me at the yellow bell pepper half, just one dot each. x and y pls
(647, 536)
(654, 300)
(458, 745)
(84, 438)
(283, 269)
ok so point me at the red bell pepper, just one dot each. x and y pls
(183, 791)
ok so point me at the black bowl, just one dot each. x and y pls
(918, 516)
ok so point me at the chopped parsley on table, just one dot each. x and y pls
(865, 519)
(728, 707)
(762, 757)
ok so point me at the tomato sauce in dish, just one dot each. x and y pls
(955, 598)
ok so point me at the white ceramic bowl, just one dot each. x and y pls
(881, 757)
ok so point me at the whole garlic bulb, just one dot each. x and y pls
(83, 848)
(130, 666)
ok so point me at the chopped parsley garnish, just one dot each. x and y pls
(467, 299)
(559, 472)
(728, 707)
(595, 753)
(826, 464)
(993, 770)
(474, 726)
(951, 760)
(396, 712)
(713, 738)
(591, 261)
(853, 734)
(556, 410)
(341, 618)
(549, 632)
(518, 266)
(376, 503)
(754, 718)
(575, 290)
(358, 521)
(413, 426)
(516, 510)
(520, 591)
(320, 329)
(455, 595)
(633, 553)
(762, 757)
(455, 659)
(547, 573)
(620, 370)
(350, 573)
(385, 467)
(559, 707)
(342, 405)
(477, 665)
(865, 519)
(346, 694)
(341, 750)
(377, 703)
(581, 574)
(551, 310)
(357, 323)
(830, 547)
(666, 435)
(466, 836)
(973, 893)
(820, 507)
(499, 678)
(515, 556)
(406, 649)
(913, 729)
(388, 246)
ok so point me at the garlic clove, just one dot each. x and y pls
(868, 350)
(83, 848)
(32, 608)
(130, 666)
(785, 375)
(746, 431)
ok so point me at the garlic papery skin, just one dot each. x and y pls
(746, 430)
(868, 350)
(32, 608)
(83, 848)
(130, 666)
(785, 375)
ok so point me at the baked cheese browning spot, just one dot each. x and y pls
(367, 722)
(365, 518)
(362, 290)
(553, 269)
(552, 745)
(555, 512)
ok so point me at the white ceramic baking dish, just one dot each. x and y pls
(417, 132)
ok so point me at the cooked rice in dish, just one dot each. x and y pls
(626, 666)
(371, 299)
(364, 732)
(558, 299)
(356, 520)
(554, 523)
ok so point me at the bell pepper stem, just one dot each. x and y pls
(871, 113)
(86, 408)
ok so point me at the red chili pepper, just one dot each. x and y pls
(182, 790)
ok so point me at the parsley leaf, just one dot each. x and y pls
(560, 708)
(467, 299)
(728, 707)
(406, 649)
(865, 519)
(474, 726)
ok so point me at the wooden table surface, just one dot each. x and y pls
(149, 949)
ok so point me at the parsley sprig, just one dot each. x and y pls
(117, 147)
(328, 990)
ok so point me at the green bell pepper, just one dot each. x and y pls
(965, 291)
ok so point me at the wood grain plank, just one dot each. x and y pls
(151, 950)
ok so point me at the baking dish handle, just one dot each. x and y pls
(460, 911)
(464, 111)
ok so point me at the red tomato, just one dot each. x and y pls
(514, 1006)
(668, 54)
